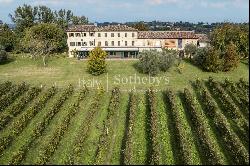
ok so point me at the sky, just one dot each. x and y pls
(142, 10)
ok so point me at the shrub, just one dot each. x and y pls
(190, 49)
(208, 59)
(153, 61)
(149, 62)
(200, 55)
(167, 59)
(96, 62)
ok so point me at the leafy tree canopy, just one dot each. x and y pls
(43, 40)
(227, 33)
(27, 16)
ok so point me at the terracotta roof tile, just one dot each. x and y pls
(81, 28)
(87, 28)
(167, 35)
(203, 37)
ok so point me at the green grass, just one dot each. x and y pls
(62, 71)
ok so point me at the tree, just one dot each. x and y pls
(27, 16)
(42, 40)
(227, 33)
(45, 15)
(63, 18)
(190, 49)
(141, 26)
(7, 38)
(24, 17)
(96, 62)
(76, 20)
(231, 57)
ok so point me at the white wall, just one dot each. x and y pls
(142, 44)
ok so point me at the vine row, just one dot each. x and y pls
(129, 132)
(230, 108)
(107, 133)
(18, 106)
(155, 156)
(8, 98)
(74, 155)
(211, 155)
(20, 154)
(232, 143)
(5, 87)
(18, 125)
(183, 144)
(241, 100)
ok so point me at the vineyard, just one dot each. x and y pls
(206, 124)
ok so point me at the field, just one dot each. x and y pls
(64, 71)
(206, 123)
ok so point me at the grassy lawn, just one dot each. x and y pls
(121, 73)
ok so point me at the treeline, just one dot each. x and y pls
(25, 17)
(228, 45)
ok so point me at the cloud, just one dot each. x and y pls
(159, 2)
(6, 1)
(225, 4)
(188, 4)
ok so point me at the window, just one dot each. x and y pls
(126, 43)
(112, 43)
(133, 43)
(99, 34)
(84, 43)
(112, 53)
(119, 43)
(91, 34)
(126, 35)
(118, 34)
(99, 43)
(133, 35)
(106, 43)
(79, 43)
(106, 35)
(78, 35)
(112, 35)
(71, 34)
(91, 43)
(84, 34)
(72, 44)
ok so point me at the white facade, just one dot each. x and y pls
(119, 43)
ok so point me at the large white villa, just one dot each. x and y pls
(121, 41)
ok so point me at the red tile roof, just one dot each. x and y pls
(93, 28)
(81, 28)
(203, 37)
(167, 35)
